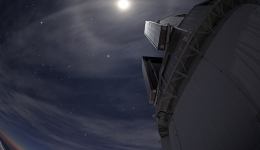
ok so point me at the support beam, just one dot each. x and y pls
(202, 32)
(196, 41)
(176, 79)
(191, 55)
(182, 74)
(185, 70)
(195, 50)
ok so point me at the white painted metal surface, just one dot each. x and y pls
(217, 109)
(166, 143)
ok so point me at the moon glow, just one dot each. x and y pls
(123, 4)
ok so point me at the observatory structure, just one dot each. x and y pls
(206, 88)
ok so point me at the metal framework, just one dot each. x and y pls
(187, 49)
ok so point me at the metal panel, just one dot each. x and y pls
(166, 144)
(218, 107)
(238, 49)
(258, 116)
(156, 33)
(173, 20)
(175, 142)
(195, 16)
(213, 114)
(151, 67)
(199, 23)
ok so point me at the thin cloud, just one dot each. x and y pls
(46, 121)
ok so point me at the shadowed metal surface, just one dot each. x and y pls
(198, 25)
(209, 84)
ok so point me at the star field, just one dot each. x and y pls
(71, 75)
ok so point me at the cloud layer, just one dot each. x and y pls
(65, 130)
(59, 87)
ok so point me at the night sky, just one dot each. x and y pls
(71, 74)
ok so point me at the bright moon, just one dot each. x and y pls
(123, 4)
